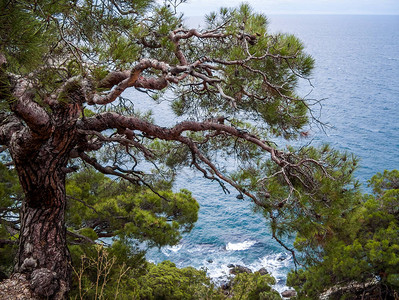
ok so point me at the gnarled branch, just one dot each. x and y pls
(290, 167)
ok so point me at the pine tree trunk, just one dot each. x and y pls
(43, 254)
(40, 140)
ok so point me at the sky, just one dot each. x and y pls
(362, 7)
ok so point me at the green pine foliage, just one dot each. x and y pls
(363, 248)
(101, 207)
(165, 281)
(253, 286)
(23, 37)
(281, 109)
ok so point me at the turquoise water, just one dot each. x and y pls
(357, 71)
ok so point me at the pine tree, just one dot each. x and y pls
(63, 68)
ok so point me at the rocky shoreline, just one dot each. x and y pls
(237, 269)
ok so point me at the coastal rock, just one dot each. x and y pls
(263, 271)
(282, 258)
(226, 286)
(354, 288)
(240, 269)
(230, 266)
(288, 293)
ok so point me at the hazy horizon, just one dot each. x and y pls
(194, 8)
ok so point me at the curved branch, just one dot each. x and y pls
(110, 120)
(129, 80)
(119, 81)
(128, 141)
(21, 100)
(291, 167)
(113, 78)
(79, 239)
(25, 107)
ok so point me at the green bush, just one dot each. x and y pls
(364, 249)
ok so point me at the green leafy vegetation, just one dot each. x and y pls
(253, 286)
(103, 273)
(362, 250)
(101, 207)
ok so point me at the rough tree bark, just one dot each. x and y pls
(43, 257)
(40, 148)
(43, 252)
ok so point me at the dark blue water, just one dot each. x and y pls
(357, 71)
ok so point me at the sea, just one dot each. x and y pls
(357, 76)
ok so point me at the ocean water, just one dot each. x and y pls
(357, 73)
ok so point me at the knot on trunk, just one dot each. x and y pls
(44, 282)
(28, 265)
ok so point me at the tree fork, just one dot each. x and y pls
(43, 256)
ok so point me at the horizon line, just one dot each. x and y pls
(314, 13)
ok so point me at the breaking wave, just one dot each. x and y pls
(240, 246)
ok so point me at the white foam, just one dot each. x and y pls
(276, 264)
(240, 246)
(168, 249)
(175, 248)
(276, 261)
(217, 270)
